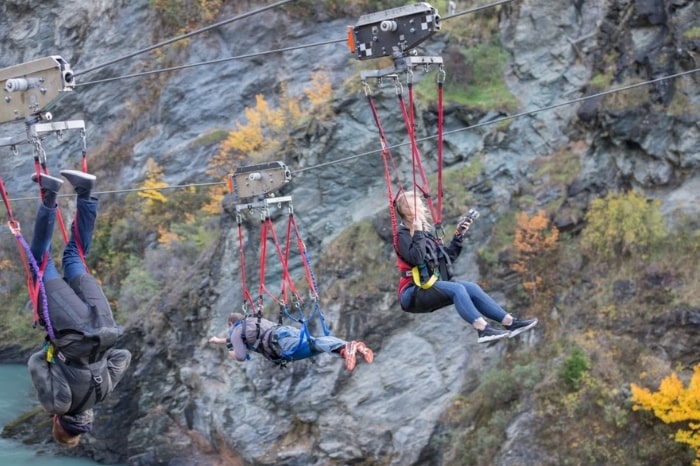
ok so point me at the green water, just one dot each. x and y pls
(16, 396)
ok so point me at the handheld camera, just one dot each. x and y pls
(472, 215)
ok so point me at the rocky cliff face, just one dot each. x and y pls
(183, 401)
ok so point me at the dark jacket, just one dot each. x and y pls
(72, 388)
(424, 249)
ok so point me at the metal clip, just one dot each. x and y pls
(366, 88)
(397, 85)
(83, 136)
(441, 74)
(39, 152)
(14, 227)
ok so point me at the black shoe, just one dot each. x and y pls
(49, 183)
(491, 333)
(519, 326)
(82, 182)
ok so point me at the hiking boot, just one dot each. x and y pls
(491, 333)
(348, 353)
(366, 353)
(518, 326)
(82, 182)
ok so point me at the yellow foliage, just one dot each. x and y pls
(262, 134)
(320, 91)
(153, 184)
(216, 195)
(622, 225)
(674, 403)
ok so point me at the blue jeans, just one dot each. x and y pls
(469, 299)
(44, 224)
(288, 339)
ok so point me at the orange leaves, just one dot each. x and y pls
(533, 237)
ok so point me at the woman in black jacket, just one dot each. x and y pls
(426, 284)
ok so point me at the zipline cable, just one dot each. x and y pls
(427, 138)
(509, 117)
(220, 60)
(477, 8)
(185, 36)
(250, 55)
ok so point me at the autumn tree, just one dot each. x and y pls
(675, 404)
(264, 132)
(152, 186)
(533, 237)
(320, 93)
(621, 225)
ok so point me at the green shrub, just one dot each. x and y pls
(574, 368)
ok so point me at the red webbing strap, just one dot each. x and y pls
(304, 254)
(34, 289)
(84, 158)
(441, 77)
(6, 200)
(263, 254)
(417, 163)
(244, 281)
(287, 248)
(286, 277)
(262, 289)
(14, 227)
(387, 159)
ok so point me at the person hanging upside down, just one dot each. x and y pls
(78, 367)
(275, 342)
(418, 247)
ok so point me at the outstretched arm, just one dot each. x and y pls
(236, 338)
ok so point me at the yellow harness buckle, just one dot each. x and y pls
(416, 278)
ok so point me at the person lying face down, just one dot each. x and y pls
(282, 342)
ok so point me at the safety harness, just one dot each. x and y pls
(35, 272)
(420, 278)
(288, 291)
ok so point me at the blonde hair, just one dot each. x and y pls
(61, 437)
(407, 202)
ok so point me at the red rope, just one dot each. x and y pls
(416, 158)
(438, 219)
(387, 159)
(241, 255)
(286, 277)
(302, 250)
(33, 287)
(263, 255)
